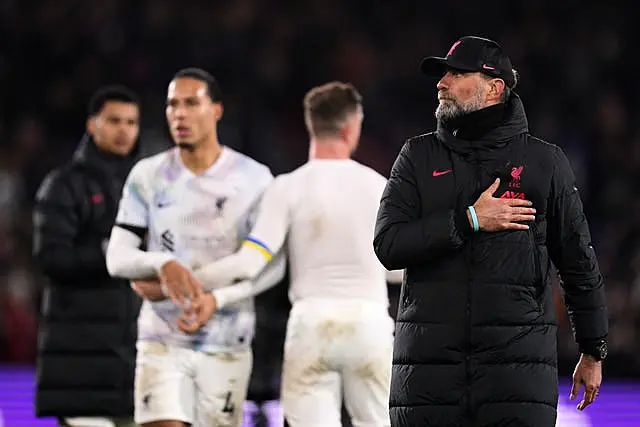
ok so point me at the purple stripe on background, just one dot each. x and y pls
(618, 404)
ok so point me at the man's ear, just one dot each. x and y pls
(497, 87)
(91, 126)
(345, 130)
(218, 111)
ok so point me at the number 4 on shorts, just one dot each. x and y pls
(228, 404)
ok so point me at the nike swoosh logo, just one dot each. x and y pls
(439, 173)
(486, 67)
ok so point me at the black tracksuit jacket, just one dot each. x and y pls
(475, 340)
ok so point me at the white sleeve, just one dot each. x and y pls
(133, 209)
(270, 276)
(265, 239)
(126, 260)
(395, 276)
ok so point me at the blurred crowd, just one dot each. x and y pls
(577, 85)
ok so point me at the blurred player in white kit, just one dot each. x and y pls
(196, 203)
(339, 335)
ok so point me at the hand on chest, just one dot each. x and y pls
(458, 183)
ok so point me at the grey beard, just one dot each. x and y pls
(448, 111)
(452, 109)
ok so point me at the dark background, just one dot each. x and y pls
(578, 84)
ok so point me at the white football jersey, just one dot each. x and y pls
(329, 209)
(197, 219)
(324, 213)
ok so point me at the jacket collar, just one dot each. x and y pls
(88, 153)
(514, 123)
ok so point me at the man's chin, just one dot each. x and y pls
(184, 145)
(122, 152)
(444, 114)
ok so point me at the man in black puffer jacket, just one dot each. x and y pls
(476, 212)
(86, 349)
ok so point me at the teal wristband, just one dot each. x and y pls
(474, 218)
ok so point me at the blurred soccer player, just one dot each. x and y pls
(86, 347)
(196, 203)
(339, 335)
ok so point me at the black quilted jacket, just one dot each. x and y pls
(86, 347)
(475, 341)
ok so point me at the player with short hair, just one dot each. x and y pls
(86, 343)
(194, 204)
(339, 335)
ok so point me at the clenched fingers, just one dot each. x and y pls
(188, 324)
(203, 316)
(188, 321)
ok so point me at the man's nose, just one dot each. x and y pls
(443, 83)
(179, 111)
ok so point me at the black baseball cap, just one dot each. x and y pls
(472, 54)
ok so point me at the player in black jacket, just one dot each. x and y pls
(476, 212)
(86, 348)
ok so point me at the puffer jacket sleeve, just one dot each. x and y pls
(404, 237)
(56, 225)
(572, 252)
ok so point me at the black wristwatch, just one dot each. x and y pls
(597, 349)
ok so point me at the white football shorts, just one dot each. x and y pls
(336, 349)
(202, 389)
